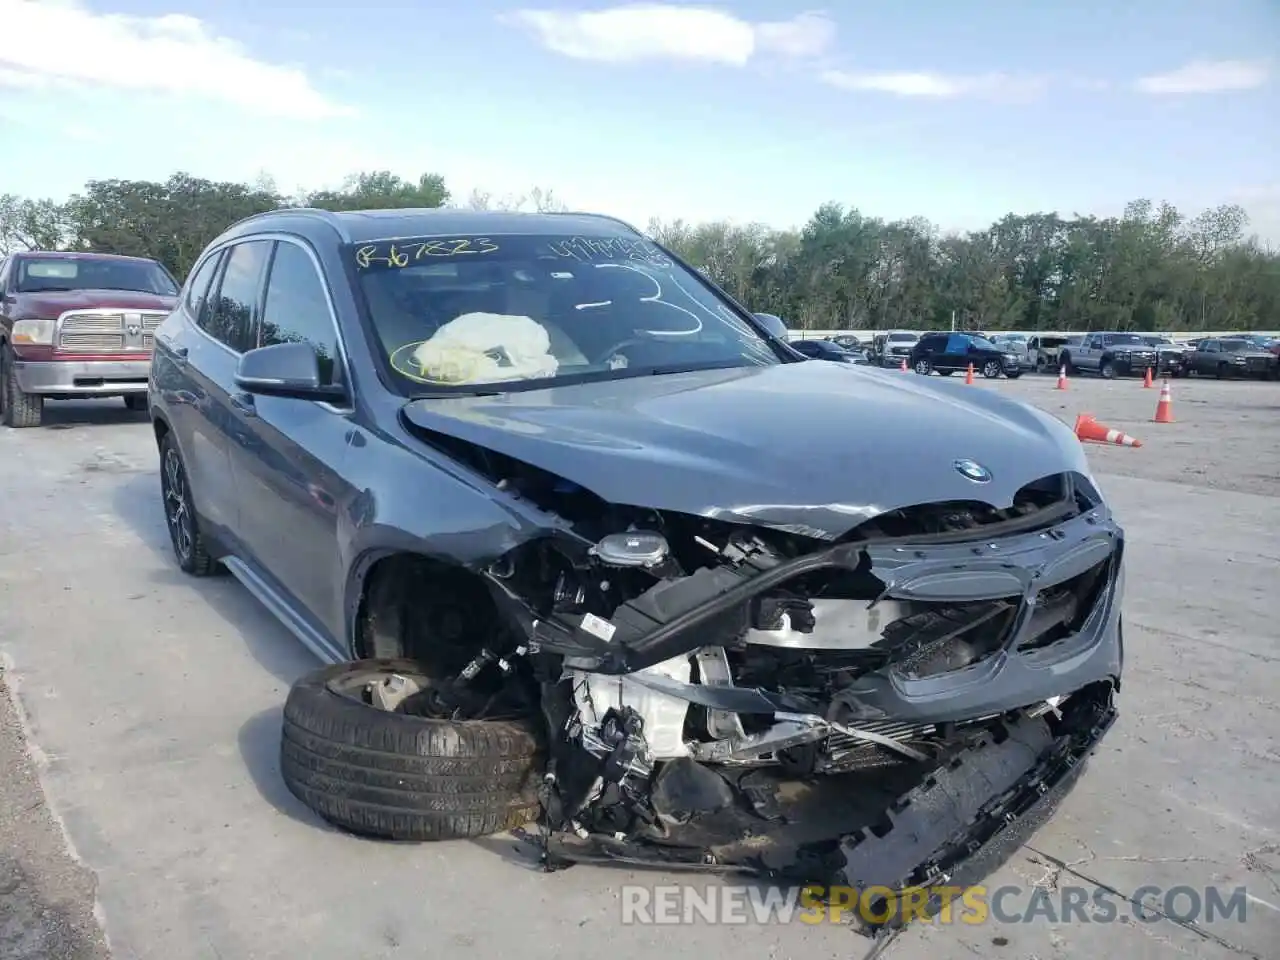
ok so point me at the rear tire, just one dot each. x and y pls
(397, 776)
(17, 408)
(189, 547)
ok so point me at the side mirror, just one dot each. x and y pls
(285, 370)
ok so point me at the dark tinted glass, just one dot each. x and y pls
(198, 291)
(87, 273)
(230, 315)
(297, 309)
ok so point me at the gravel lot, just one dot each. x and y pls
(151, 708)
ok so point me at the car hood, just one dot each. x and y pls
(49, 305)
(813, 448)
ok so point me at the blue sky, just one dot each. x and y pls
(750, 111)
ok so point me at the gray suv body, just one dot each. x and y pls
(545, 440)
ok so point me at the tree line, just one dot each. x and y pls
(1151, 268)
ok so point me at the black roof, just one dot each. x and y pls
(363, 226)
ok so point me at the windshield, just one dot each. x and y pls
(454, 313)
(85, 273)
(1127, 338)
(902, 337)
(1236, 346)
(982, 343)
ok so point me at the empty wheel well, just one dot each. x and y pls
(425, 609)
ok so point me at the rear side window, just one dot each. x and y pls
(198, 289)
(231, 313)
(957, 343)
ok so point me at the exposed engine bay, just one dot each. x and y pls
(723, 696)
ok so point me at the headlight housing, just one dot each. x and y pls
(33, 333)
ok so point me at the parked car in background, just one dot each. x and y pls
(1171, 357)
(1043, 349)
(890, 349)
(949, 352)
(825, 350)
(847, 341)
(1231, 357)
(1018, 343)
(1110, 355)
(77, 325)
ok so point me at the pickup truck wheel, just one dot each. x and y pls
(189, 547)
(991, 369)
(17, 408)
(402, 774)
(1107, 369)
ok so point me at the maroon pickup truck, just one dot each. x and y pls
(77, 325)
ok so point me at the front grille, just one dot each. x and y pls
(108, 331)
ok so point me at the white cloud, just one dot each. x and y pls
(655, 31)
(937, 86)
(1208, 76)
(62, 42)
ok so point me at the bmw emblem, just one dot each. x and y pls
(972, 470)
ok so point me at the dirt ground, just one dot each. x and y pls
(151, 703)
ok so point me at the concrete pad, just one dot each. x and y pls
(155, 699)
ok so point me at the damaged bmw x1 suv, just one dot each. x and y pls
(582, 551)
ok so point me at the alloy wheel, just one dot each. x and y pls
(177, 510)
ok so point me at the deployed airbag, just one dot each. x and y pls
(487, 347)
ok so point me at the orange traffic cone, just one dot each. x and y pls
(904, 364)
(1164, 406)
(1089, 430)
(968, 377)
(1062, 378)
(1146, 382)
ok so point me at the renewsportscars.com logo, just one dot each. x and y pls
(740, 904)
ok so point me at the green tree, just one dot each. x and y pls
(379, 190)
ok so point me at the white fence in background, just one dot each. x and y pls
(865, 336)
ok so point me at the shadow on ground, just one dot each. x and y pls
(137, 502)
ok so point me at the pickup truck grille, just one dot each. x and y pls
(108, 331)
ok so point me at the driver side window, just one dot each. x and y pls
(297, 309)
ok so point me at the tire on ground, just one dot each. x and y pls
(402, 777)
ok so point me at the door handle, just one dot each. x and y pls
(244, 403)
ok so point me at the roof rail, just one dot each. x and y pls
(597, 216)
(320, 214)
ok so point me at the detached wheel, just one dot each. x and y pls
(991, 369)
(403, 774)
(923, 367)
(17, 408)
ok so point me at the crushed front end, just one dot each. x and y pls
(735, 698)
